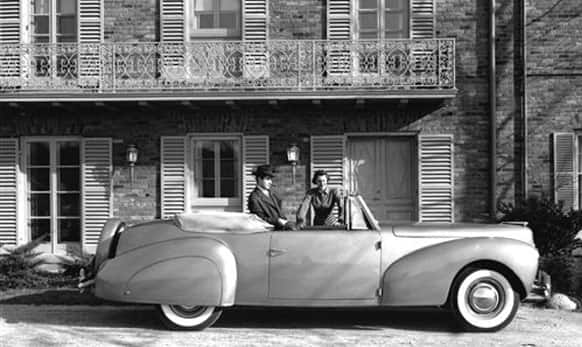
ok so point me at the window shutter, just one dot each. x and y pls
(255, 34)
(173, 171)
(339, 20)
(10, 35)
(90, 38)
(97, 189)
(8, 189)
(339, 28)
(422, 19)
(173, 35)
(436, 198)
(565, 170)
(327, 153)
(255, 153)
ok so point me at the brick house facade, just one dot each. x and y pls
(396, 125)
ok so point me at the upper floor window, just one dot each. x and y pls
(54, 21)
(216, 18)
(382, 19)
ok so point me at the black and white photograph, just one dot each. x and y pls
(291, 173)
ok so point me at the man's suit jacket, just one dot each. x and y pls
(268, 208)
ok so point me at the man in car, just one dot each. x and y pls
(265, 203)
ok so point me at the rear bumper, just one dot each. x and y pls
(541, 289)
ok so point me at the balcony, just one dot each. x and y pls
(224, 70)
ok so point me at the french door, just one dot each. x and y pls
(53, 171)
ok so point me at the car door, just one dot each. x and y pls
(317, 265)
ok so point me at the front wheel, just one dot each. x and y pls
(483, 300)
(182, 317)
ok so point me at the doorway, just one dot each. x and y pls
(53, 171)
(383, 169)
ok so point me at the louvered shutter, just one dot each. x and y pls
(10, 41)
(173, 36)
(339, 28)
(173, 171)
(90, 40)
(255, 34)
(422, 19)
(422, 26)
(8, 189)
(339, 20)
(565, 170)
(327, 153)
(255, 153)
(96, 188)
(436, 198)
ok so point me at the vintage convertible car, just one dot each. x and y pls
(195, 264)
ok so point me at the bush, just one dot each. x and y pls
(554, 232)
(17, 271)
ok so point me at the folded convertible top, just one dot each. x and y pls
(215, 221)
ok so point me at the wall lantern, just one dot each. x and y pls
(131, 156)
(293, 157)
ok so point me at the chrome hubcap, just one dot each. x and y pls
(187, 311)
(484, 298)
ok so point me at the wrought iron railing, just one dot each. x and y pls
(206, 66)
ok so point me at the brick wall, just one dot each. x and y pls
(297, 19)
(465, 116)
(293, 122)
(131, 20)
(554, 91)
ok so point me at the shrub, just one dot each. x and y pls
(554, 232)
(17, 270)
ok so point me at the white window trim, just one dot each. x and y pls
(218, 33)
(212, 202)
(23, 230)
(577, 172)
(381, 11)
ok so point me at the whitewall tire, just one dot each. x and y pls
(181, 317)
(483, 300)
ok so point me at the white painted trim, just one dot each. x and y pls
(191, 201)
(24, 203)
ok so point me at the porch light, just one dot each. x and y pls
(293, 157)
(293, 154)
(131, 155)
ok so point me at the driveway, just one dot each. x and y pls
(52, 325)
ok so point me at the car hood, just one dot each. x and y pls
(518, 231)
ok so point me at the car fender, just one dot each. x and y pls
(184, 271)
(110, 229)
(424, 277)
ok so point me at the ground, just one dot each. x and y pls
(107, 325)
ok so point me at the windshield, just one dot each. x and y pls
(360, 216)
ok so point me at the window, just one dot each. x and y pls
(383, 19)
(54, 22)
(54, 190)
(380, 20)
(217, 172)
(216, 18)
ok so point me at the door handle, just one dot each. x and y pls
(273, 252)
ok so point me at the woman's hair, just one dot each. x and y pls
(319, 173)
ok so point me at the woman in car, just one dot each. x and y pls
(322, 199)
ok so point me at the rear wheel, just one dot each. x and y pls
(483, 300)
(183, 317)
